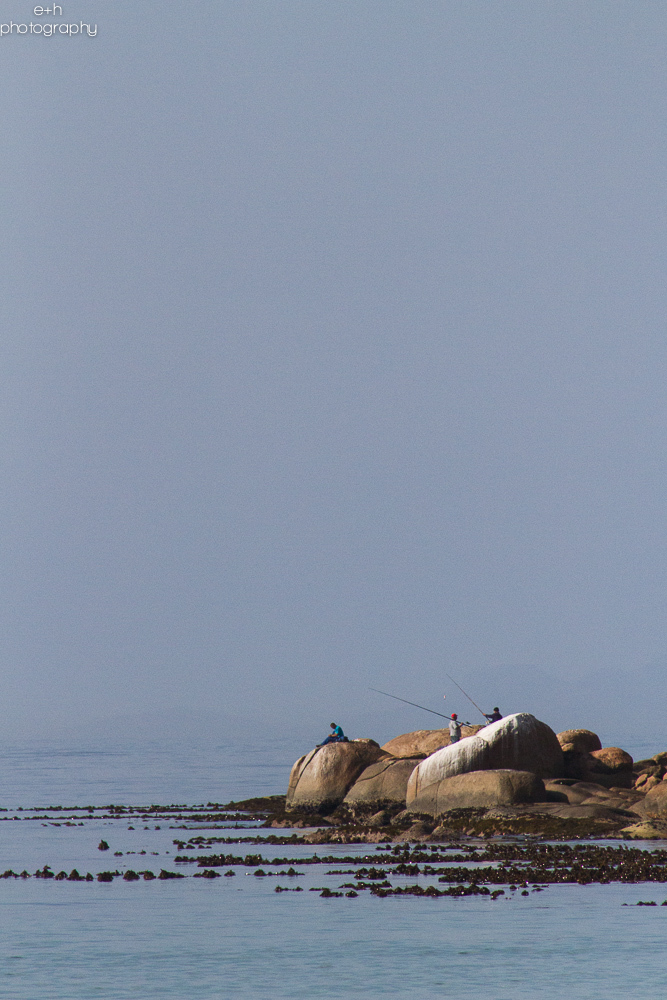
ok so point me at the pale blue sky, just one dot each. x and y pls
(333, 355)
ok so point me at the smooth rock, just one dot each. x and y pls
(612, 802)
(384, 782)
(321, 779)
(654, 803)
(566, 790)
(613, 759)
(589, 793)
(424, 742)
(646, 782)
(579, 741)
(609, 766)
(478, 790)
(518, 742)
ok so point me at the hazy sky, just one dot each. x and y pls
(333, 356)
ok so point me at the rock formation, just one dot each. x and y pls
(509, 771)
(610, 766)
(424, 742)
(320, 780)
(383, 783)
(654, 804)
(478, 789)
(579, 741)
(518, 742)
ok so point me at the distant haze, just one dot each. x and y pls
(333, 356)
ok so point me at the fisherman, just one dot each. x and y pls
(454, 729)
(495, 715)
(337, 736)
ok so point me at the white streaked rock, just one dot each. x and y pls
(518, 742)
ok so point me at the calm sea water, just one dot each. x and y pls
(235, 937)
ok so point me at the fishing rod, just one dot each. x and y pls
(467, 696)
(405, 700)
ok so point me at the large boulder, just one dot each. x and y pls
(383, 783)
(654, 803)
(579, 741)
(518, 742)
(478, 790)
(424, 742)
(320, 780)
(610, 766)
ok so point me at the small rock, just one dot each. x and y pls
(443, 832)
(651, 781)
(579, 741)
(643, 831)
(417, 832)
(381, 818)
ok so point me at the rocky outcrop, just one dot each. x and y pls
(518, 742)
(579, 741)
(611, 767)
(383, 783)
(321, 779)
(478, 790)
(588, 793)
(586, 810)
(644, 831)
(650, 772)
(424, 742)
(612, 759)
(654, 803)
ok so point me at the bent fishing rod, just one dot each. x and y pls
(414, 703)
(467, 696)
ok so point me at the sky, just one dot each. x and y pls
(333, 357)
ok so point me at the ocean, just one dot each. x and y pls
(237, 937)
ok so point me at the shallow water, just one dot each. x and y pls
(237, 937)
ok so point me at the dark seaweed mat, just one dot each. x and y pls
(500, 864)
(487, 869)
(464, 872)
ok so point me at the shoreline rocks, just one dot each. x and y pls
(424, 742)
(654, 803)
(579, 741)
(609, 766)
(320, 780)
(478, 790)
(383, 783)
(515, 776)
(518, 742)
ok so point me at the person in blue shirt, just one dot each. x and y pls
(337, 736)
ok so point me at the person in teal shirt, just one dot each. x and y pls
(337, 736)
